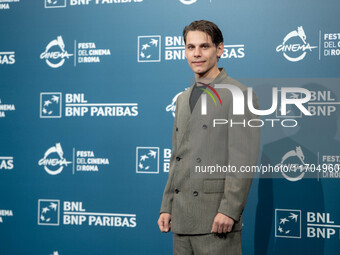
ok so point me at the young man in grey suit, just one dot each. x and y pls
(204, 208)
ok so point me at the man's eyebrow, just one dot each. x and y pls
(202, 44)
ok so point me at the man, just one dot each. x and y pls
(204, 211)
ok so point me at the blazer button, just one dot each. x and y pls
(178, 158)
(195, 193)
(198, 160)
(204, 126)
(177, 191)
(176, 128)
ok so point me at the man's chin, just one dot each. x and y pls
(201, 73)
(199, 70)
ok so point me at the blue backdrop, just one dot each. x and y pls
(87, 91)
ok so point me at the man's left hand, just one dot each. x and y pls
(222, 224)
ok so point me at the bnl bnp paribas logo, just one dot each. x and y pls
(62, 3)
(76, 105)
(295, 46)
(149, 49)
(289, 223)
(53, 212)
(50, 105)
(55, 3)
(147, 160)
(48, 212)
(6, 163)
(7, 57)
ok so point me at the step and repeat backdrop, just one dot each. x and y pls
(88, 92)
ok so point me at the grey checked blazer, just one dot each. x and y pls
(193, 202)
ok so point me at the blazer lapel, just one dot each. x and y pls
(184, 116)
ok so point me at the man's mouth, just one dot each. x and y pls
(198, 63)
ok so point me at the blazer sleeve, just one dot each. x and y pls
(243, 149)
(168, 194)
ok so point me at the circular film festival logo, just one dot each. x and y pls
(296, 170)
(55, 53)
(51, 164)
(294, 46)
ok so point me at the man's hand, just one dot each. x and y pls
(164, 222)
(222, 224)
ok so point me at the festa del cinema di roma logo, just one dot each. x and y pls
(83, 161)
(55, 53)
(54, 166)
(297, 169)
(296, 51)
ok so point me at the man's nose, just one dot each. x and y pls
(197, 52)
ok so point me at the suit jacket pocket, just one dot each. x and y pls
(213, 186)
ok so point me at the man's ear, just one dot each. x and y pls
(185, 51)
(220, 49)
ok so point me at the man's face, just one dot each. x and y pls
(202, 54)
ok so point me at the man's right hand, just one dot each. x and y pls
(164, 222)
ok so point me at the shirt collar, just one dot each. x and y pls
(221, 76)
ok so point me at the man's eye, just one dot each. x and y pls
(190, 47)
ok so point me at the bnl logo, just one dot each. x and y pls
(149, 48)
(55, 3)
(239, 100)
(48, 212)
(287, 223)
(147, 160)
(50, 105)
(320, 225)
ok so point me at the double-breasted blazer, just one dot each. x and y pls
(194, 198)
